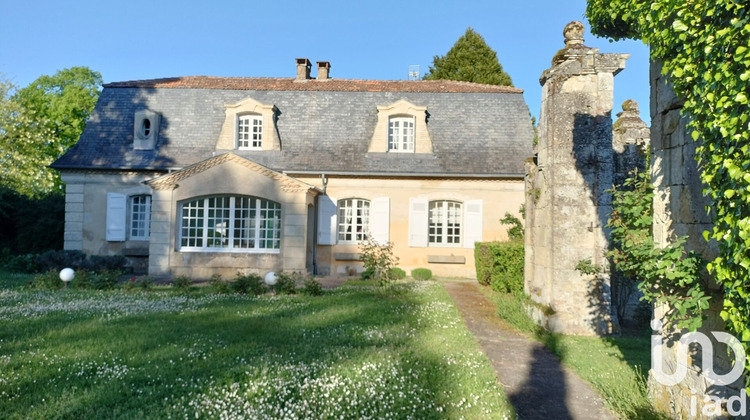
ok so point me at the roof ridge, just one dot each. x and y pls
(290, 83)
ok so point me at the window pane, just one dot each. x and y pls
(354, 219)
(445, 222)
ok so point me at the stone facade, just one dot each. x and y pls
(566, 200)
(680, 210)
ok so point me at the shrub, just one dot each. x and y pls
(99, 280)
(218, 285)
(312, 287)
(500, 265)
(398, 273)
(48, 280)
(286, 283)
(380, 259)
(368, 274)
(145, 283)
(182, 282)
(57, 260)
(103, 263)
(22, 263)
(251, 284)
(421, 274)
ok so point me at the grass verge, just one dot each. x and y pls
(352, 353)
(613, 366)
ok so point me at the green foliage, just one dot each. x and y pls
(218, 285)
(515, 231)
(586, 267)
(286, 283)
(704, 52)
(182, 282)
(312, 287)
(25, 263)
(77, 260)
(666, 275)
(368, 273)
(249, 284)
(421, 274)
(39, 123)
(469, 60)
(48, 280)
(30, 225)
(500, 265)
(97, 280)
(379, 259)
(397, 273)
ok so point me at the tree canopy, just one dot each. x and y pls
(469, 60)
(39, 123)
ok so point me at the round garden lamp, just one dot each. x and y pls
(66, 275)
(270, 278)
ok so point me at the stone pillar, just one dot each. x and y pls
(679, 210)
(567, 189)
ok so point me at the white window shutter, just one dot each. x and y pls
(327, 224)
(380, 220)
(418, 221)
(116, 217)
(472, 222)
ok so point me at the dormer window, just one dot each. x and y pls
(401, 134)
(401, 128)
(250, 132)
(249, 125)
(145, 129)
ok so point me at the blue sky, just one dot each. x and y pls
(130, 40)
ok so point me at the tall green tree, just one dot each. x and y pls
(469, 60)
(39, 123)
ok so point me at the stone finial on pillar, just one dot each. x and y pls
(573, 34)
(629, 127)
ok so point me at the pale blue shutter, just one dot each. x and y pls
(116, 217)
(418, 220)
(380, 220)
(472, 222)
(327, 224)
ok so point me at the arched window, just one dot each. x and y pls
(230, 223)
(445, 223)
(250, 132)
(401, 134)
(354, 220)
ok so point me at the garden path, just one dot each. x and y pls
(537, 385)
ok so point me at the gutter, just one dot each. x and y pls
(403, 174)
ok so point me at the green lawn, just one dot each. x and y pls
(352, 353)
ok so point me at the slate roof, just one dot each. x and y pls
(324, 126)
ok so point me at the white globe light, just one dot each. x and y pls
(270, 278)
(67, 274)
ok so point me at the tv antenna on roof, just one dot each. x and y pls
(414, 72)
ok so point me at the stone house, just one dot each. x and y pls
(204, 175)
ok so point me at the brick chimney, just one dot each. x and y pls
(324, 70)
(303, 69)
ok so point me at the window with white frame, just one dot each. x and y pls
(230, 223)
(445, 223)
(354, 220)
(401, 134)
(250, 132)
(140, 217)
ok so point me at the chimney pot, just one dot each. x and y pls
(324, 70)
(303, 69)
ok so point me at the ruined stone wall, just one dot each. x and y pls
(680, 210)
(566, 200)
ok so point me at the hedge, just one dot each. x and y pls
(500, 265)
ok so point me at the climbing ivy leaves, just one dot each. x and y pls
(704, 47)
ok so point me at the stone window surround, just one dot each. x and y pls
(401, 108)
(139, 228)
(228, 135)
